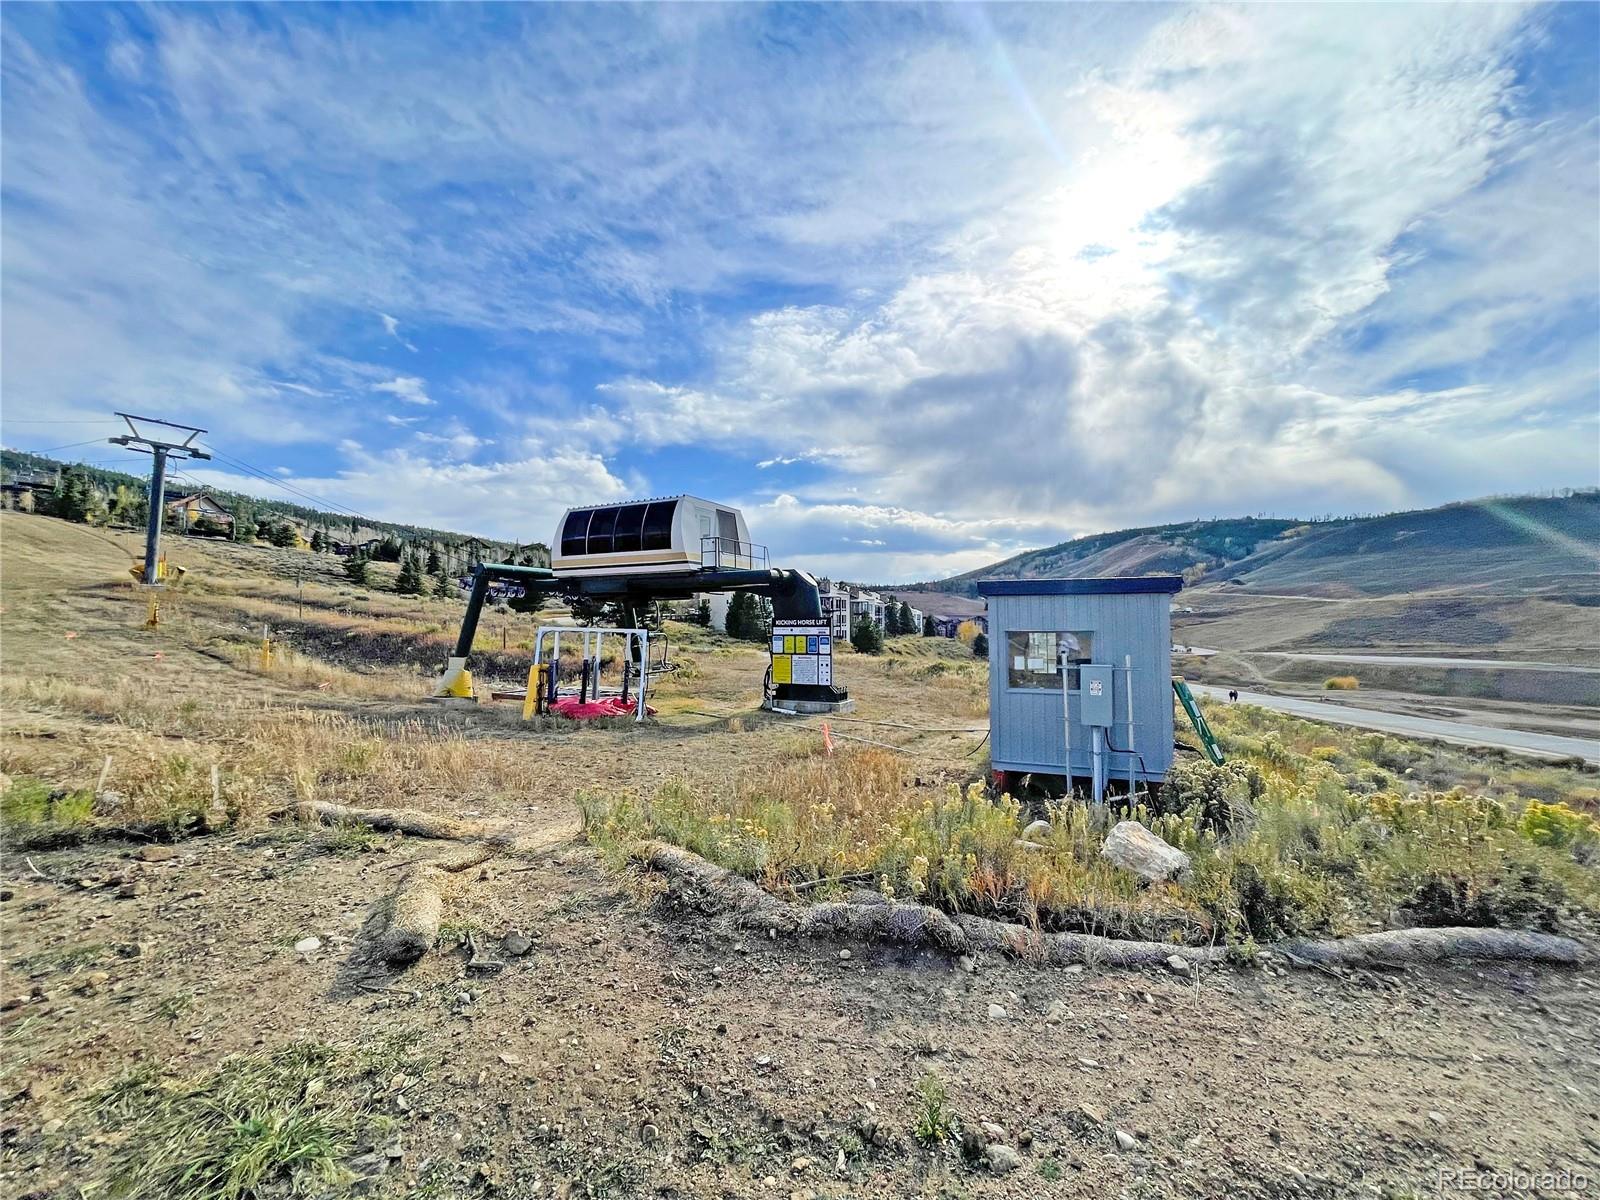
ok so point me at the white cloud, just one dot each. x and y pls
(408, 388)
(391, 326)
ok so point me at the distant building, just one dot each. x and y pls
(836, 608)
(188, 511)
(23, 492)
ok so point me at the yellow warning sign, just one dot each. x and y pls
(780, 668)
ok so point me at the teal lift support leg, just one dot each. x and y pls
(1208, 740)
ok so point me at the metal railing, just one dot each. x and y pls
(720, 553)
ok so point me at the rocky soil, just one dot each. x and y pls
(627, 1050)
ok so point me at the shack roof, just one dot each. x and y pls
(1140, 585)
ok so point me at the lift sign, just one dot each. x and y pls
(802, 652)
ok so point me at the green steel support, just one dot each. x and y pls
(1208, 740)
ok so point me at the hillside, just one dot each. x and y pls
(1522, 544)
(117, 490)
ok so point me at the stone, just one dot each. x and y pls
(1178, 964)
(1074, 969)
(1001, 1158)
(52, 1127)
(1134, 848)
(1092, 1114)
(307, 944)
(844, 956)
(1438, 1118)
(516, 944)
(967, 963)
(157, 854)
(131, 889)
(992, 1131)
(1125, 1140)
(997, 1012)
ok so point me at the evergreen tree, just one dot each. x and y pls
(760, 620)
(702, 613)
(388, 550)
(445, 587)
(434, 566)
(74, 498)
(928, 629)
(409, 582)
(891, 617)
(318, 543)
(738, 619)
(356, 567)
(587, 610)
(866, 637)
(908, 623)
(283, 535)
(980, 646)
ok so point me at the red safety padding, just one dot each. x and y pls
(610, 706)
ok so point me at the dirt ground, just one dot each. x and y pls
(638, 1051)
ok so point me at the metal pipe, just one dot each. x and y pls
(152, 533)
(1127, 667)
(1066, 709)
(481, 578)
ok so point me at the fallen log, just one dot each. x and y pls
(500, 835)
(694, 882)
(415, 912)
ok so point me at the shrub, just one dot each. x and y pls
(357, 567)
(1222, 797)
(1561, 828)
(1341, 683)
(867, 637)
(980, 646)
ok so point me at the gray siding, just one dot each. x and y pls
(1026, 725)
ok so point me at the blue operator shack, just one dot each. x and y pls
(1080, 673)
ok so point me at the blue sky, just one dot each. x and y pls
(916, 287)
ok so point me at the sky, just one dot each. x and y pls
(915, 287)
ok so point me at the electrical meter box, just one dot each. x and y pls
(1094, 703)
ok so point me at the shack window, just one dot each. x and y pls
(658, 525)
(1033, 658)
(628, 522)
(575, 533)
(600, 530)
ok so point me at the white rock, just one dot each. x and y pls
(997, 1013)
(1178, 964)
(844, 956)
(307, 944)
(1125, 1140)
(1134, 848)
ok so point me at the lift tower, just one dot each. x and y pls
(161, 447)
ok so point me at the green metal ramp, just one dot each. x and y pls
(1208, 740)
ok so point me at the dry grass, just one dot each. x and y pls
(1341, 683)
(1282, 844)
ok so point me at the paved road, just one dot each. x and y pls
(1544, 745)
(1423, 660)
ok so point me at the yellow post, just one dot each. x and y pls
(266, 650)
(534, 699)
(154, 619)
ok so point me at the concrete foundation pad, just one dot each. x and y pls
(806, 708)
